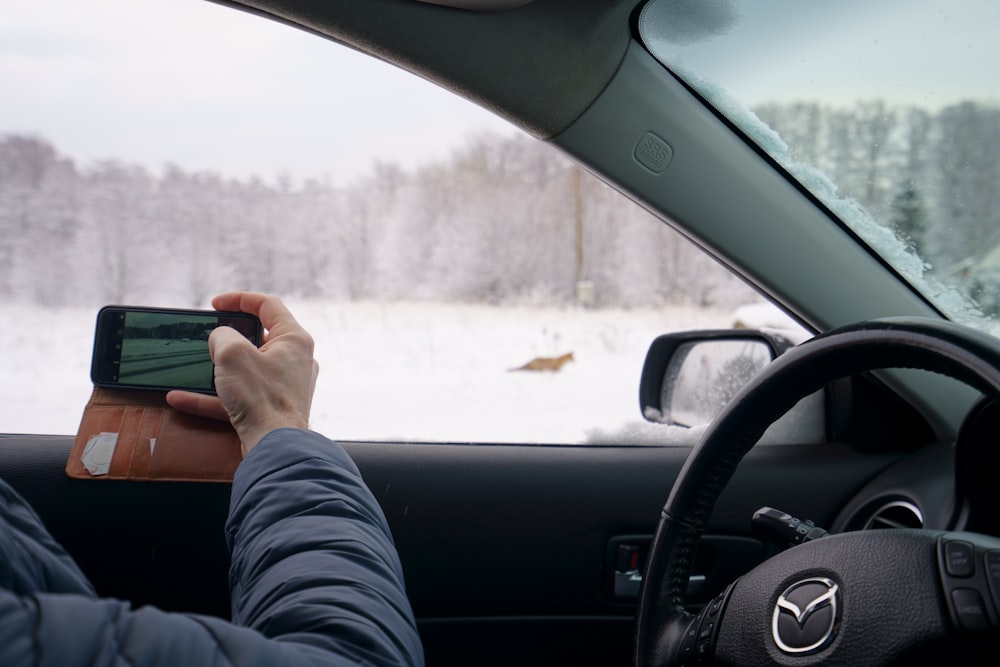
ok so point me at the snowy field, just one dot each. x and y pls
(409, 371)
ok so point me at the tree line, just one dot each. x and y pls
(907, 166)
(502, 220)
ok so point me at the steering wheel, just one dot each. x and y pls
(859, 598)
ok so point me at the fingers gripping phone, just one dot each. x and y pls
(159, 348)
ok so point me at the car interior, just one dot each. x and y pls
(873, 475)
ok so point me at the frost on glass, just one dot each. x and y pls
(705, 375)
(885, 240)
(897, 136)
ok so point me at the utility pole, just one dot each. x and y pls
(584, 288)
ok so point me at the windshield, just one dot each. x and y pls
(888, 112)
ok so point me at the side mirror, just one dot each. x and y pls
(689, 377)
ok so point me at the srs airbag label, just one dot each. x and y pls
(653, 153)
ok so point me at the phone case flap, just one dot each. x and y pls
(135, 435)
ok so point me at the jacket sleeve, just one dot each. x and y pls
(312, 557)
(31, 561)
(315, 580)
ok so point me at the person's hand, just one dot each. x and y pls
(259, 389)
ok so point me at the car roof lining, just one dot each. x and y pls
(538, 65)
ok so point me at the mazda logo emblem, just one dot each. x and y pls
(806, 616)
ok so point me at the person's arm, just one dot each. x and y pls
(312, 558)
(315, 579)
(30, 559)
(50, 615)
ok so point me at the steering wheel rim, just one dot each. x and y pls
(663, 626)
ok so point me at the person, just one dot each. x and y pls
(314, 576)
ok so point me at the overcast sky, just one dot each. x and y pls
(210, 88)
(835, 52)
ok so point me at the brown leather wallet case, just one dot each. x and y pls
(154, 441)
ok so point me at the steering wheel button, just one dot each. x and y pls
(993, 566)
(715, 607)
(970, 609)
(690, 639)
(959, 559)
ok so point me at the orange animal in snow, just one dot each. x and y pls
(552, 364)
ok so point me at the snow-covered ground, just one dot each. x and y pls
(409, 371)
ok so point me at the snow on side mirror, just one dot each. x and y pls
(689, 377)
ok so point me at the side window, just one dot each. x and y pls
(463, 281)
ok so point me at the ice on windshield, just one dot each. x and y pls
(887, 241)
(897, 134)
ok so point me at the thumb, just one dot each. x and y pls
(225, 341)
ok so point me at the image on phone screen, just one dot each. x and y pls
(160, 349)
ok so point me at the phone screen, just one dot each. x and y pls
(153, 348)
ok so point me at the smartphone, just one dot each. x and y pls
(160, 348)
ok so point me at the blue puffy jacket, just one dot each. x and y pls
(315, 579)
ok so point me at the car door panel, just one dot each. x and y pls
(503, 546)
